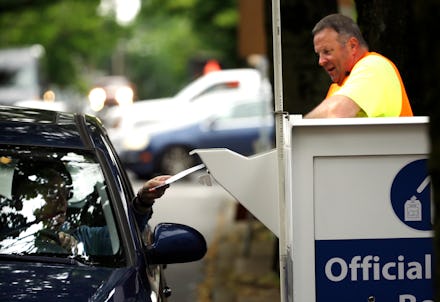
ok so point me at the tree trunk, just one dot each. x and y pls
(304, 82)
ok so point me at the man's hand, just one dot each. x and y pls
(68, 242)
(146, 195)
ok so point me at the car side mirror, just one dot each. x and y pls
(176, 243)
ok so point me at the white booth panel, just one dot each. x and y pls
(355, 191)
(357, 217)
(360, 210)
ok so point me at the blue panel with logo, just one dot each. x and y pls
(411, 195)
(382, 270)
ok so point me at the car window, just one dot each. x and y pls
(244, 110)
(249, 110)
(251, 114)
(44, 193)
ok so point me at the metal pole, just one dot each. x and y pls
(279, 123)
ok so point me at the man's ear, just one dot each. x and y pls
(353, 43)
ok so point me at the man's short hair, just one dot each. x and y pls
(343, 25)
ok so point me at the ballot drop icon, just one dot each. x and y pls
(411, 195)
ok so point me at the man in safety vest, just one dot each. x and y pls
(365, 84)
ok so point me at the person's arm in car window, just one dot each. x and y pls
(145, 198)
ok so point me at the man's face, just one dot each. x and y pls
(334, 57)
(55, 207)
(48, 200)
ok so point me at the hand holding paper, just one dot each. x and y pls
(179, 176)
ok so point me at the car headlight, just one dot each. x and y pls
(135, 142)
(124, 96)
(97, 98)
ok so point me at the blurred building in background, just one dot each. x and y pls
(251, 30)
(20, 74)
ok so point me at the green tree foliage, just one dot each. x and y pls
(157, 54)
(173, 38)
(212, 22)
(160, 52)
(74, 36)
(216, 22)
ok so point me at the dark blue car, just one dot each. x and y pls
(59, 174)
(245, 127)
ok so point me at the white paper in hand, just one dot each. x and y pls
(180, 175)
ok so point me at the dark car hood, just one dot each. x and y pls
(26, 281)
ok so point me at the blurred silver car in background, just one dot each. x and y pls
(228, 108)
(211, 89)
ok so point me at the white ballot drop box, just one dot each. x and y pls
(356, 214)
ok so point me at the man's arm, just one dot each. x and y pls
(145, 198)
(334, 107)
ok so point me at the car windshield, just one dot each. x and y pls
(55, 203)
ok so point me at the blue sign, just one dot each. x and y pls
(391, 270)
(411, 195)
(384, 269)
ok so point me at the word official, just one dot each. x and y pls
(371, 268)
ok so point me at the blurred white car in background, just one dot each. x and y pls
(207, 90)
(194, 106)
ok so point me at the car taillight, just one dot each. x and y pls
(234, 84)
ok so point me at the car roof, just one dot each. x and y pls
(246, 78)
(29, 126)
